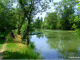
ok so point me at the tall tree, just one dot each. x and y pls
(30, 8)
(37, 23)
(21, 18)
(66, 10)
(51, 20)
(7, 16)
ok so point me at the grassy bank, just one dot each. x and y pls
(15, 49)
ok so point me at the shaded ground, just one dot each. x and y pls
(3, 48)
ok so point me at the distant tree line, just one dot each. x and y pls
(62, 18)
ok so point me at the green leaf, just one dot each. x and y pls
(78, 6)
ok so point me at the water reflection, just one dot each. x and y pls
(57, 44)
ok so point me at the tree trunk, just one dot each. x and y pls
(27, 32)
(19, 26)
(18, 29)
(27, 40)
(27, 35)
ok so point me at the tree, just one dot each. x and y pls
(50, 20)
(21, 18)
(76, 24)
(38, 23)
(7, 17)
(30, 8)
(66, 10)
(2, 16)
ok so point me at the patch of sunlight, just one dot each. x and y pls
(15, 47)
(21, 45)
(18, 38)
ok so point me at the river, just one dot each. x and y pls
(57, 44)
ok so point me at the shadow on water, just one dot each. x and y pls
(57, 44)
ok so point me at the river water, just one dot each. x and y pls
(57, 44)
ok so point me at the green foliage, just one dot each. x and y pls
(58, 26)
(30, 8)
(23, 28)
(50, 20)
(8, 17)
(76, 26)
(2, 16)
(42, 25)
(66, 13)
(38, 23)
(31, 29)
(78, 6)
(32, 45)
(76, 23)
(62, 18)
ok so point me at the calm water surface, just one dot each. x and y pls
(57, 44)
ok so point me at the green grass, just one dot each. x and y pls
(15, 50)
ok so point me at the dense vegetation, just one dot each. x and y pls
(21, 17)
(62, 18)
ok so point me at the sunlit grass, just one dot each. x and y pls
(15, 49)
(19, 51)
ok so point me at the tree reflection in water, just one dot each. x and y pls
(65, 42)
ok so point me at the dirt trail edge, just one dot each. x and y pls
(3, 48)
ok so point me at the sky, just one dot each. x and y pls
(52, 10)
(49, 10)
(44, 13)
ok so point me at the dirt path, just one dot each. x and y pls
(3, 48)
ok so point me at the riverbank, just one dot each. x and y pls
(15, 49)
